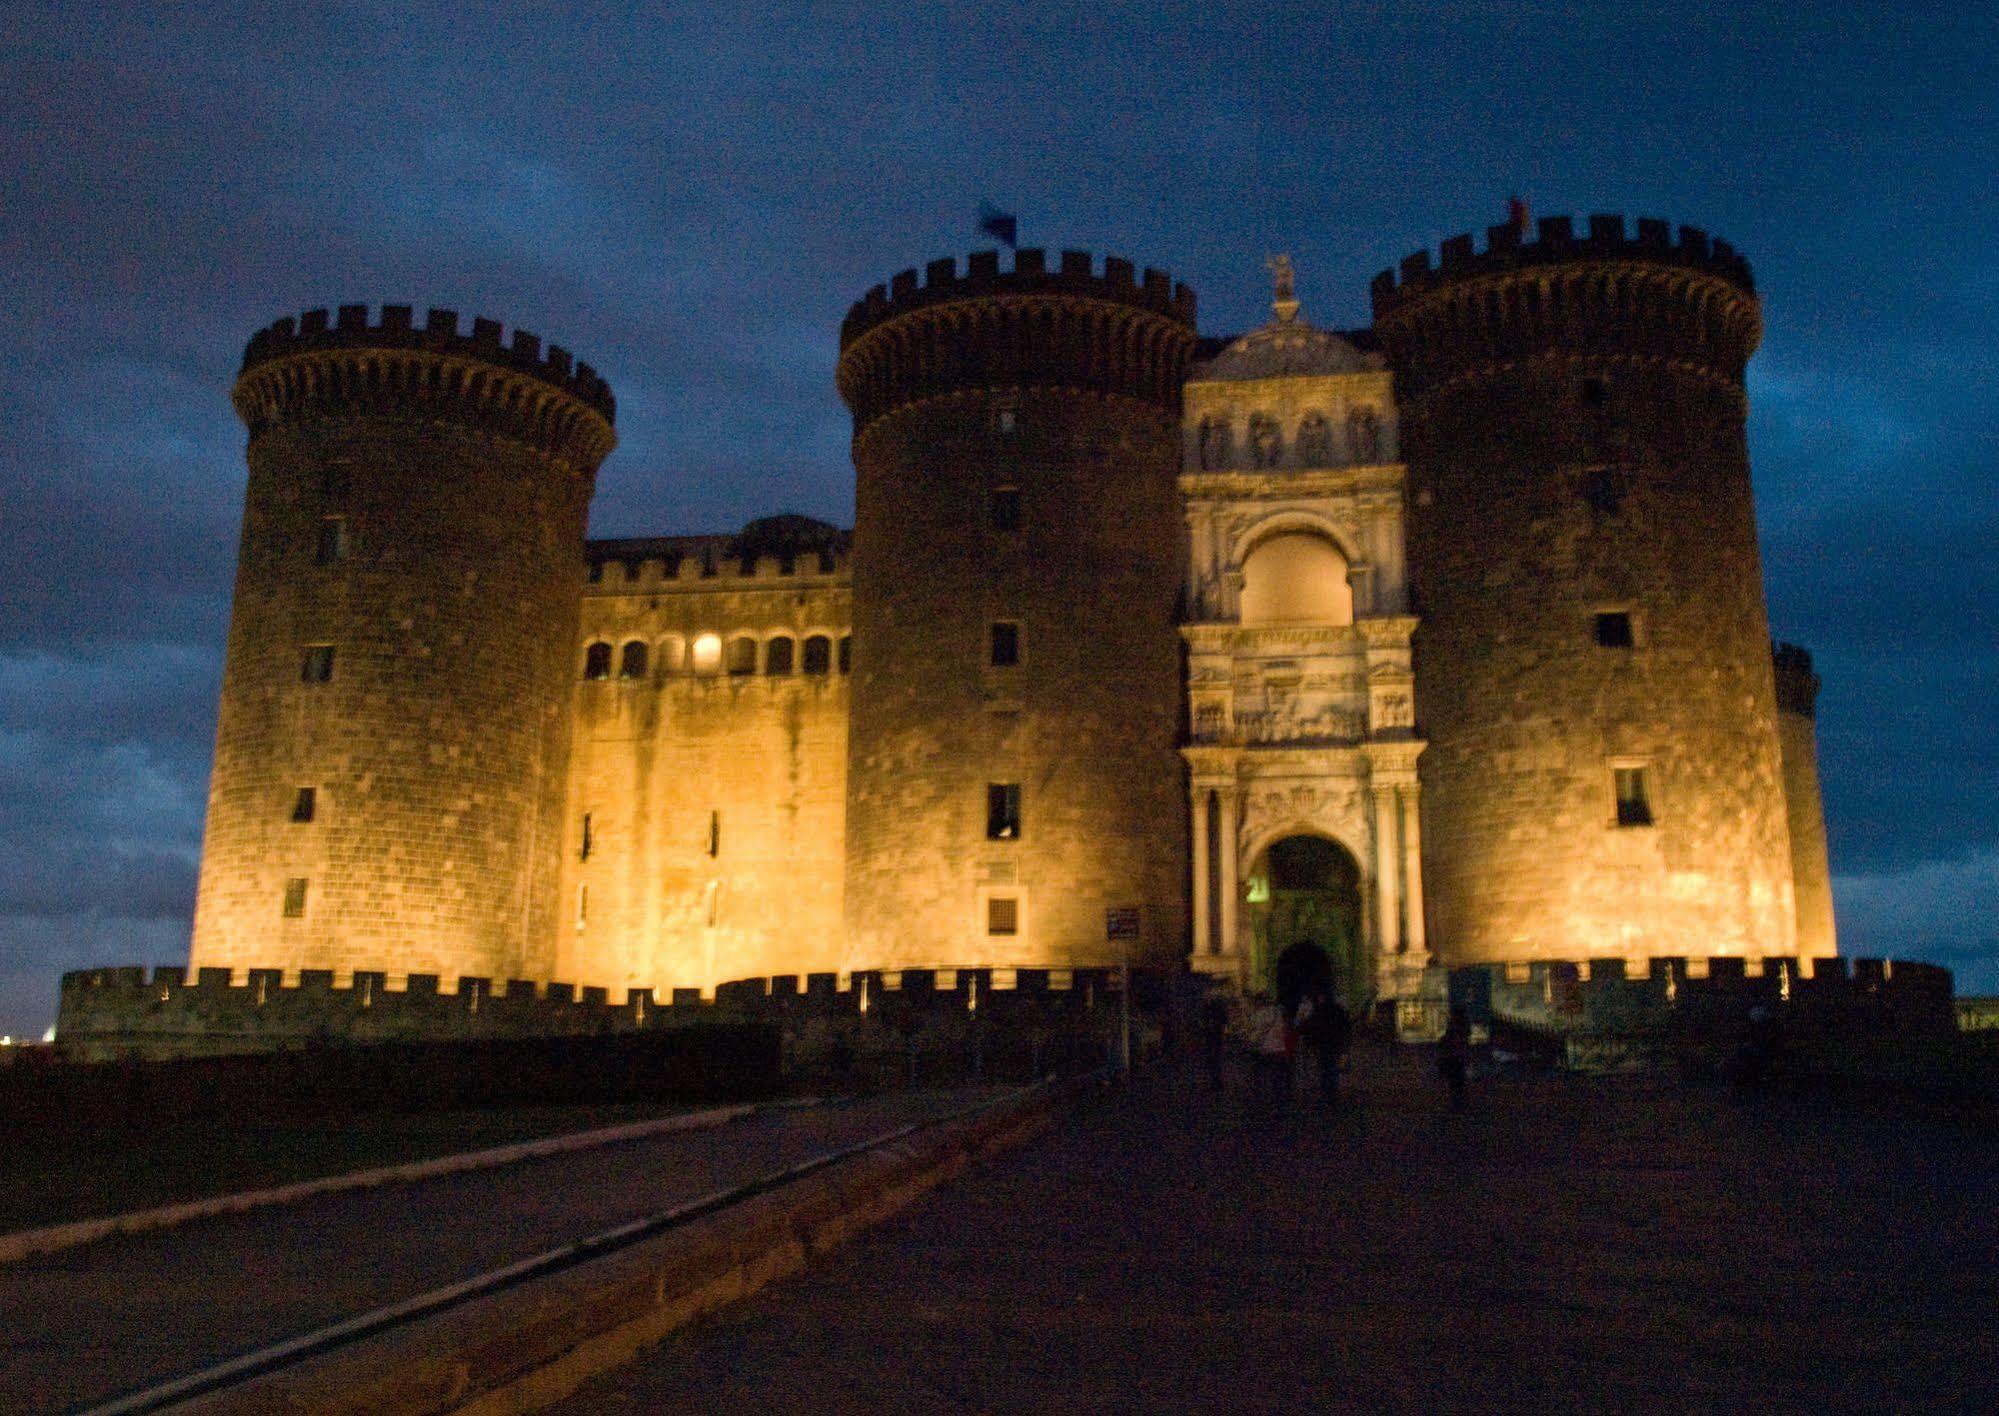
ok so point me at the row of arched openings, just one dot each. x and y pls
(741, 656)
(1313, 441)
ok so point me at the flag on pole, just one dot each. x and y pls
(1000, 225)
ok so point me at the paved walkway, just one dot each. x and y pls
(88, 1323)
(1569, 1244)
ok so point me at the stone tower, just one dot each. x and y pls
(1797, 729)
(1593, 671)
(1012, 767)
(390, 758)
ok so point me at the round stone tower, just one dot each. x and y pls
(1012, 766)
(1797, 730)
(390, 759)
(1593, 669)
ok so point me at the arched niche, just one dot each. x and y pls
(1296, 576)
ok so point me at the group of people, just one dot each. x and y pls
(1276, 1038)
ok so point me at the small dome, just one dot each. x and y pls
(1281, 349)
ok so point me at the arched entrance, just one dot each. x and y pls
(1302, 901)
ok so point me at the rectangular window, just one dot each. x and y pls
(305, 804)
(1613, 630)
(317, 666)
(295, 897)
(1634, 806)
(584, 853)
(332, 540)
(1005, 420)
(714, 833)
(1003, 811)
(1002, 915)
(1004, 508)
(1006, 644)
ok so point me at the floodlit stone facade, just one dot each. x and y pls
(1435, 643)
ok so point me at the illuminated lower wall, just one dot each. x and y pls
(716, 800)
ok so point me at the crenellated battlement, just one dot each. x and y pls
(114, 1012)
(1708, 995)
(1074, 325)
(1075, 273)
(1797, 685)
(773, 548)
(1557, 242)
(343, 363)
(1684, 299)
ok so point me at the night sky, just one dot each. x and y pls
(690, 201)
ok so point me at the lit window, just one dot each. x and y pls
(1613, 630)
(305, 804)
(1004, 508)
(295, 897)
(777, 656)
(632, 663)
(1005, 644)
(742, 656)
(1002, 915)
(818, 655)
(1003, 811)
(317, 666)
(332, 540)
(707, 654)
(597, 661)
(1634, 806)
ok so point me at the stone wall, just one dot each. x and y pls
(1797, 732)
(716, 800)
(415, 511)
(1059, 388)
(129, 1013)
(1572, 418)
(1709, 996)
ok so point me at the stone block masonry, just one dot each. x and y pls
(406, 602)
(457, 740)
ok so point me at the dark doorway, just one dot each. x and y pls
(1303, 903)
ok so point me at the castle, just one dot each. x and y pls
(1437, 643)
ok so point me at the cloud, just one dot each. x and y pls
(1944, 912)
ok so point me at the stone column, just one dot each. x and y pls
(1204, 942)
(1386, 852)
(1412, 872)
(1230, 885)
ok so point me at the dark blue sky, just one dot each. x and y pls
(690, 200)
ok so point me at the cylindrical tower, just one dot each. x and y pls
(391, 754)
(1797, 730)
(1593, 669)
(1012, 767)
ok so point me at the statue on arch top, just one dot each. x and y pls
(1284, 288)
